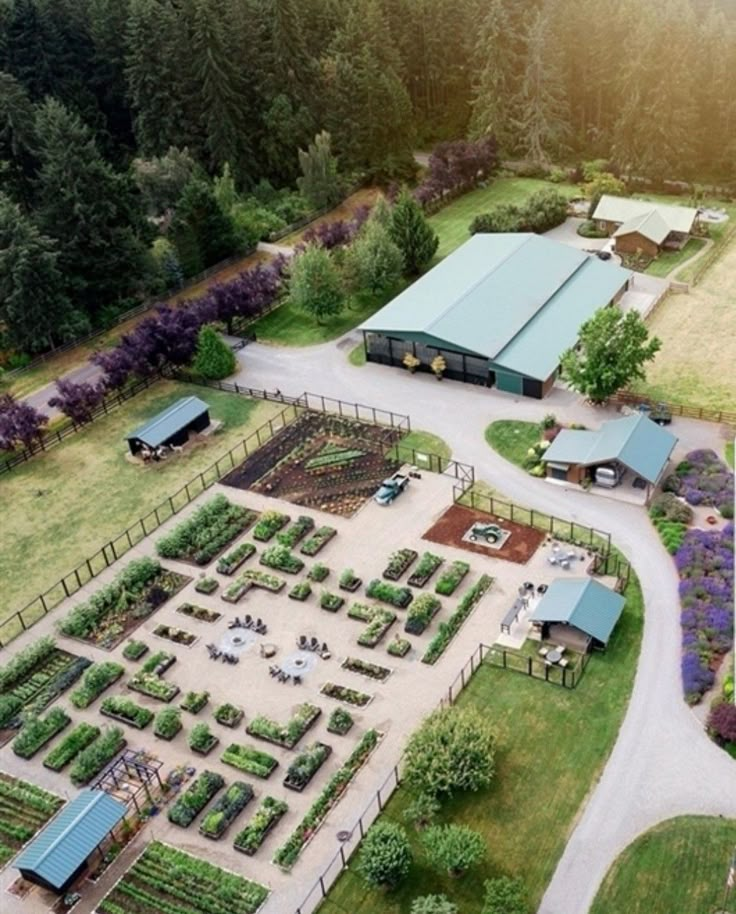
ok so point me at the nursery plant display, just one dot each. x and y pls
(37, 731)
(230, 562)
(340, 722)
(428, 565)
(318, 573)
(399, 597)
(330, 601)
(97, 678)
(167, 723)
(318, 540)
(92, 760)
(195, 701)
(296, 532)
(343, 693)
(228, 715)
(126, 711)
(249, 759)
(201, 739)
(300, 591)
(269, 524)
(398, 562)
(229, 805)
(448, 629)
(24, 810)
(194, 799)
(306, 765)
(69, 748)
(450, 579)
(288, 734)
(281, 558)
(421, 612)
(372, 670)
(210, 529)
(264, 819)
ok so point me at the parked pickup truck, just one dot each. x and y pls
(391, 488)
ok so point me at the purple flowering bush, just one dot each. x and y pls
(705, 565)
(702, 478)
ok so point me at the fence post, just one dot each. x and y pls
(378, 797)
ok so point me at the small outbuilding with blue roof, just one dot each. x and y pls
(580, 604)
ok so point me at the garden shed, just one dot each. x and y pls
(59, 854)
(578, 612)
(172, 426)
(501, 310)
(643, 225)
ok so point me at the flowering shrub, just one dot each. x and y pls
(702, 478)
(722, 722)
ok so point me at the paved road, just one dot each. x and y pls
(662, 764)
(40, 398)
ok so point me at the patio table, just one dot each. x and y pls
(554, 656)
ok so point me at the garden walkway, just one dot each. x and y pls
(663, 764)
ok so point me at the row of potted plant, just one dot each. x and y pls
(449, 629)
(230, 562)
(265, 818)
(421, 612)
(428, 565)
(318, 540)
(227, 807)
(296, 532)
(344, 693)
(200, 613)
(450, 579)
(269, 523)
(372, 670)
(288, 734)
(127, 711)
(398, 562)
(306, 765)
(281, 558)
(36, 732)
(400, 597)
(96, 679)
(93, 758)
(252, 761)
(69, 748)
(194, 799)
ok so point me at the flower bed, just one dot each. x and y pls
(287, 855)
(318, 573)
(332, 457)
(177, 635)
(167, 723)
(398, 562)
(450, 579)
(296, 532)
(195, 701)
(206, 585)
(400, 597)
(349, 581)
(428, 564)
(706, 568)
(286, 735)
(318, 540)
(399, 647)
(447, 631)
(306, 765)
(702, 478)
(372, 670)
(228, 715)
(96, 756)
(421, 612)
(97, 678)
(243, 583)
(254, 834)
(300, 591)
(343, 693)
(126, 711)
(134, 650)
(269, 523)
(330, 601)
(115, 609)
(228, 806)
(281, 558)
(200, 613)
(194, 799)
(340, 722)
(235, 558)
(202, 740)
(153, 686)
(38, 731)
(74, 742)
(210, 529)
(252, 761)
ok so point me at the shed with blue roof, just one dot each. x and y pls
(579, 604)
(172, 426)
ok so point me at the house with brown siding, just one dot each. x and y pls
(641, 225)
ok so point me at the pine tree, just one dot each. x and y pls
(319, 182)
(414, 236)
(17, 139)
(214, 359)
(201, 223)
(314, 284)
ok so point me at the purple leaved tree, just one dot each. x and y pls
(77, 401)
(20, 424)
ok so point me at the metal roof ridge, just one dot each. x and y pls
(80, 815)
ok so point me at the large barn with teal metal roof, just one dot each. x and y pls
(501, 310)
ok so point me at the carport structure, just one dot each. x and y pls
(172, 426)
(578, 612)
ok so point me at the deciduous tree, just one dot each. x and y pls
(77, 401)
(453, 849)
(315, 285)
(373, 262)
(385, 855)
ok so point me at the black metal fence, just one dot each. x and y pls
(568, 676)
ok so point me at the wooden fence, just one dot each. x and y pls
(629, 398)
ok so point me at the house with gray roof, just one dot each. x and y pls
(580, 612)
(643, 225)
(501, 310)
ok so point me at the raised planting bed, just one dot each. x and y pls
(202, 740)
(167, 723)
(177, 635)
(428, 565)
(300, 591)
(25, 810)
(399, 647)
(269, 524)
(159, 662)
(400, 597)
(134, 650)
(318, 573)
(318, 540)
(126, 711)
(288, 734)
(69, 748)
(243, 583)
(153, 686)
(265, 818)
(194, 799)
(330, 601)
(287, 855)
(228, 715)
(206, 585)
(164, 880)
(90, 761)
(340, 722)
(281, 558)
(249, 759)
(349, 581)
(194, 701)
(343, 693)
(200, 613)
(306, 765)
(421, 612)
(36, 732)
(450, 579)
(398, 563)
(97, 678)
(228, 806)
(296, 532)
(372, 670)
(235, 558)
(208, 531)
(117, 608)
(449, 629)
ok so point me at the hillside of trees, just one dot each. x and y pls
(143, 140)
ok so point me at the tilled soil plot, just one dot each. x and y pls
(452, 526)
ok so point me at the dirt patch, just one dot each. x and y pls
(319, 461)
(451, 527)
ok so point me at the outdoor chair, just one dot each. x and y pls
(565, 563)
(564, 662)
(543, 651)
(561, 648)
(552, 559)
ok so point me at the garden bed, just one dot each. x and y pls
(371, 670)
(24, 809)
(194, 799)
(228, 806)
(318, 573)
(68, 749)
(153, 686)
(248, 579)
(228, 715)
(340, 722)
(346, 694)
(441, 641)
(167, 724)
(451, 578)
(400, 597)
(202, 740)
(318, 540)
(264, 820)
(296, 532)
(200, 613)
(97, 678)
(428, 565)
(398, 563)
(211, 528)
(230, 563)
(126, 712)
(206, 586)
(349, 581)
(457, 520)
(281, 558)
(379, 622)
(194, 701)
(399, 647)
(269, 525)
(285, 735)
(300, 591)
(37, 732)
(97, 755)
(306, 765)
(250, 760)
(134, 650)
(330, 602)
(421, 612)
(176, 635)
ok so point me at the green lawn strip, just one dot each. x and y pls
(357, 356)
(512, 439)
(669, 260)
(683, 858)
(525, 827)
(729, 453)
(64, 505)
(423, 442)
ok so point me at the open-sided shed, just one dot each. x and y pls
(172, 426)
(581, 604)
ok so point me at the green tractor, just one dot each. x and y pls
(491, 533)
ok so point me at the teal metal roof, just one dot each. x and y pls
(516, 299)
(636, 441)
(170, 421)
(582, 602)
(68, 840)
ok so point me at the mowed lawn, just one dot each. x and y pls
(681, 865)
(512, 438)
(529, 810)
(669, 260)
(452, 222)
(64, 505)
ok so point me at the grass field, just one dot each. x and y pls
(669, 260)
(356, 356)
(64, 505)
(452, 222)
(729, 453)
(529, 810)
(426, 443)
(679, 865)
(512, 439)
